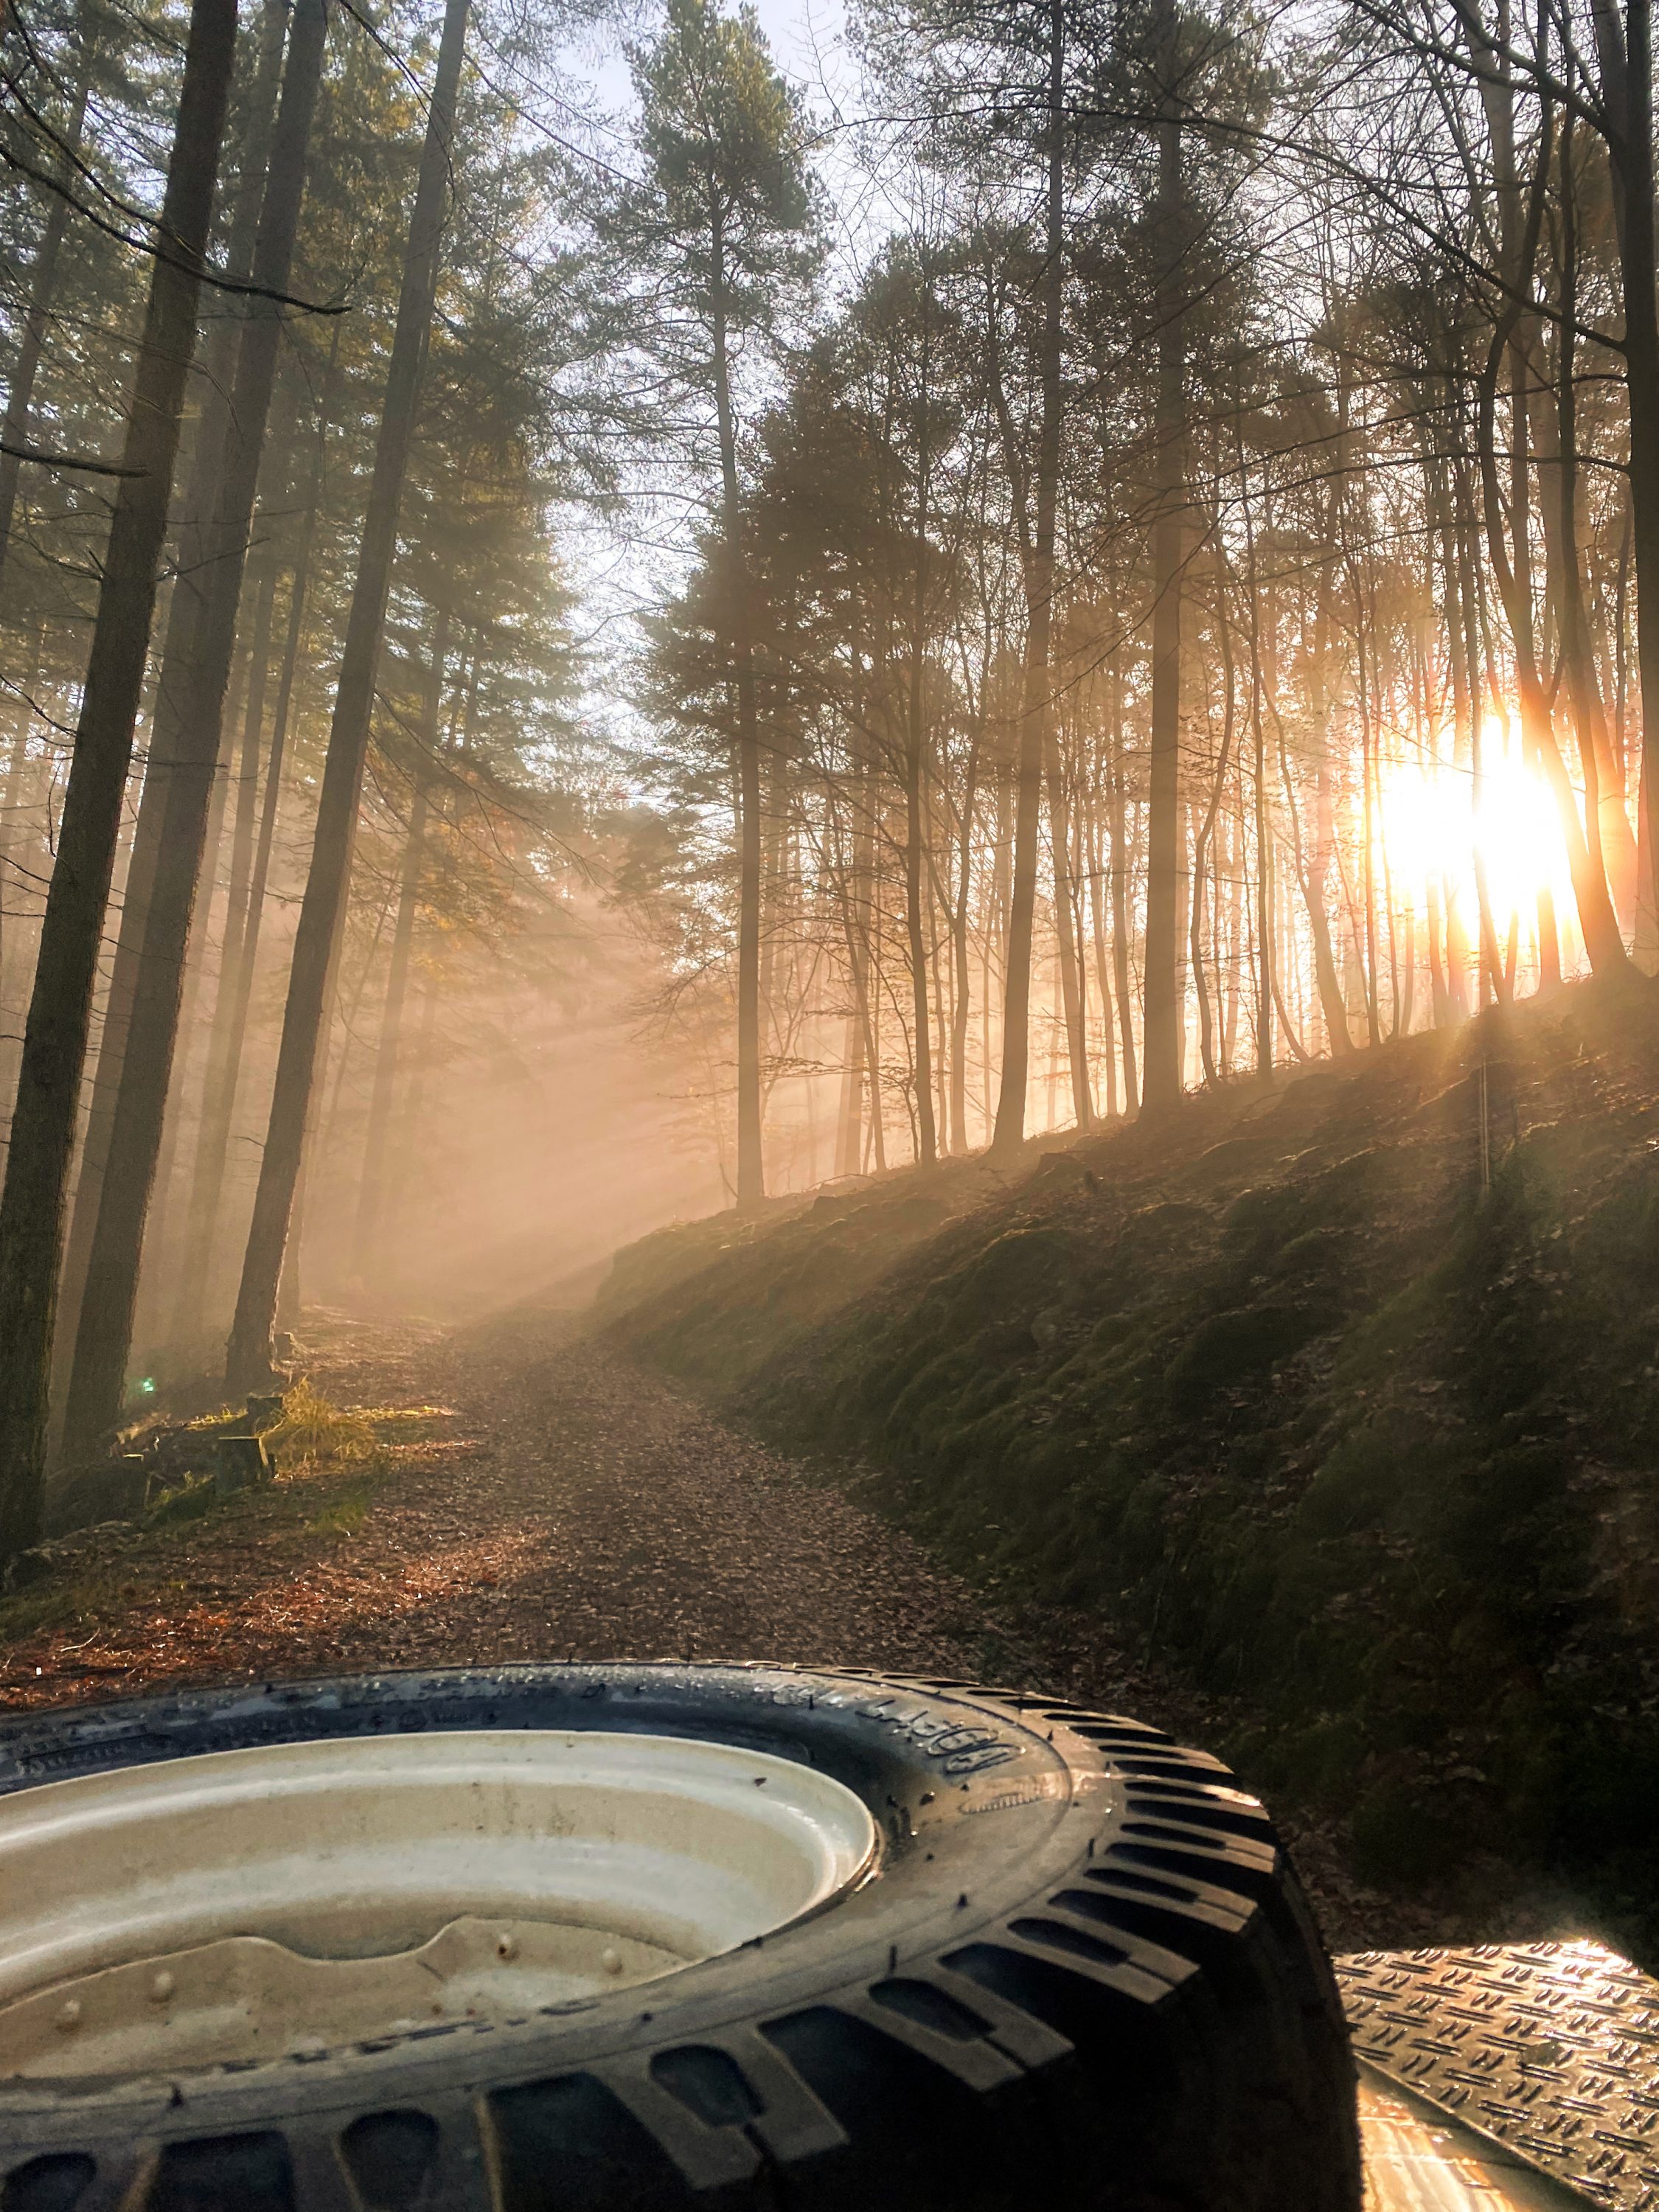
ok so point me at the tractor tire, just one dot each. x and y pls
(1080, 1972)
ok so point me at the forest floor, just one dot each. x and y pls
(533, 1494)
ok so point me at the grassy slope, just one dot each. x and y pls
(1279, 1384)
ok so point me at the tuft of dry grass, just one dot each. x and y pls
(312, 1432)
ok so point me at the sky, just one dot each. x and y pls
(620, 574)
(802, 33)
(806, 38)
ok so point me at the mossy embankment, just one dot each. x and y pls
(1342, 1395)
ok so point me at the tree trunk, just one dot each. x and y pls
(98, 1382)
(915, 817)
(1072, 985)
(247, 774)
(230, 1010)
(1607, 826)
(55, 1041)
(1038, 700)
(993, 943)
(195, 969)
(1010, 1130)
(850, 1125)
(751, 1165)
(960, 973)
(288, 1289)
(861, 937)
(371, 1195)
(1317, 877)
(915, 935)
(1103, 953)
(941, 1025)
(1626, 60)
(12, 803)
(248, 1357)
(1121, 905)
(1267, 982)
(1206, 830)
(1161, 1040)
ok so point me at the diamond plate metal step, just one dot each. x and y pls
(1417, 2160)
(1550, 2050)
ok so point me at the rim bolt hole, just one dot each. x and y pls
(506, 1945)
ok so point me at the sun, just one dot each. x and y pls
(1516, 830)
(1433, 823)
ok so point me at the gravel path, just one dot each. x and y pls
(562, 1503)
(642, 1526)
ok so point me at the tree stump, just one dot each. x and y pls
(239, 1461)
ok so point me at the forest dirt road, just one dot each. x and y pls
(555, 1501)
(560, 1502)
(623, 1521)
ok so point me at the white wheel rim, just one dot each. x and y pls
(289, 1899)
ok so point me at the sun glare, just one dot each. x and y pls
(1421, 829)
(1432, 827)
(1516, 829)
